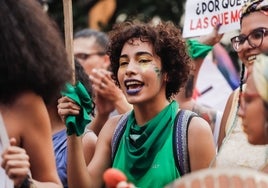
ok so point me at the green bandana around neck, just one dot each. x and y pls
(139, 154)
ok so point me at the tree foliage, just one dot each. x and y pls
(142, 9)
(171, 10)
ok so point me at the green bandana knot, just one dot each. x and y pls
(136, 154)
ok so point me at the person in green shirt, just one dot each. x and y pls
(150, 64)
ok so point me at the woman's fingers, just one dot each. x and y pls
(66, 106)
(16, 163)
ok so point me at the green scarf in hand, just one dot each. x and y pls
(78, 93)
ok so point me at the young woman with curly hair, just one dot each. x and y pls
(150, 64)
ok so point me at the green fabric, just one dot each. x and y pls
(149, 161)
(78, 93)
(197, 49)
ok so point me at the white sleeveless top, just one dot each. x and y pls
(235, 150)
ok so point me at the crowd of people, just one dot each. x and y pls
(131, 106)
(231, 133)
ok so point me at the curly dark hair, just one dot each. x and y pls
(167, 43)
(32, 53)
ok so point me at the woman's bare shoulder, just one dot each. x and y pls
(109, 127)
(198, 126)
(31, 110)
(112, 123)
(28, 100)
(23, 114)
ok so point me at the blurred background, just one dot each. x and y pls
(102, 14)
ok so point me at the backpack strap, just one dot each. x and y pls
(180, 140)
(118, 133)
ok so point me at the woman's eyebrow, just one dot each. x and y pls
(143, 53)
(123, 56)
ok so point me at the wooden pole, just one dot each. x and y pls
(68, 31)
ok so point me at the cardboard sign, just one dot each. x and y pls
(202, 15)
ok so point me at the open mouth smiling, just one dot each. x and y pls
(133, 86)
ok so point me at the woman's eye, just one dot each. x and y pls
(257, 35)
(144, 60)
(123, 63)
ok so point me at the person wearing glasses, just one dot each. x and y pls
(254, 103)
(234, 149)
(90, 51)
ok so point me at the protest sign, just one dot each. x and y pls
(202, 15)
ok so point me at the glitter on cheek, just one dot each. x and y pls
(145, 67)
(157, 71)
(151, 66)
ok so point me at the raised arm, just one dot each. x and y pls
(80, 175)
(198, 50)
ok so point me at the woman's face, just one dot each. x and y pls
(253, 21)
(139, 73)
(253, 114)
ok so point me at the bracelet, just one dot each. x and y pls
(197, 49)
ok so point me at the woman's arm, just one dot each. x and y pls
(200, 144)
(224, 119)
(89, 140)
(79, 174)
(185, 96)
(82, 176)
(27, 120)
